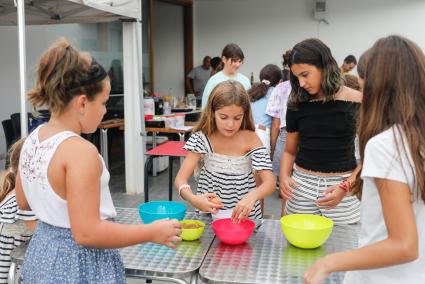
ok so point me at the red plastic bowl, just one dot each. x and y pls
(233, 234)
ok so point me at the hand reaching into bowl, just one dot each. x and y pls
(243, 208)
(167, 232)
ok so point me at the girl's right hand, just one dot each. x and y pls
(167, 232)
(203, 203)
(287, 186)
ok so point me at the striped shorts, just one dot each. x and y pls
(312, 187)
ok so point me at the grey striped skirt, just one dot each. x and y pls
(312, 187)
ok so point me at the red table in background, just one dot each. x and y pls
(171, 149)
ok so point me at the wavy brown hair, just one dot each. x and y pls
(394, 96)
(7, 179)
(314, 52)
(60, 67)
(225, 94)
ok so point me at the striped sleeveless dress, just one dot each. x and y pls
(230, 177)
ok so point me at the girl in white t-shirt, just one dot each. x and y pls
(392, 146)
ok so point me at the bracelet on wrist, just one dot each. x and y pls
(181, 187)
(345, 185)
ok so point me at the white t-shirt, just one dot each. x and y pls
(383, 160)
(221, 77)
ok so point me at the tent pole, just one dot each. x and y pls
(134, 127)
(22, 67)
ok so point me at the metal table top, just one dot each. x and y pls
(268, 258)
(154, 261)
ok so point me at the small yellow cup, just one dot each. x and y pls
(191, 234)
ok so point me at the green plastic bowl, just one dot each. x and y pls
(306, 230)
(192, 234)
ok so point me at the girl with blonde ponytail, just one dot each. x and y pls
(16, 226)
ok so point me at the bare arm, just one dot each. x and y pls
(287, 163)
(264, 189)
(401, 245)
(274, 133)
(201, 202)
(20, 195)
(83, 171)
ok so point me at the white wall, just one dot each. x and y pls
(265, 29)
(168, 49)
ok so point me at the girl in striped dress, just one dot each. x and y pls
(16, 225)
(226, 145)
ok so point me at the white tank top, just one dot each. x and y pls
(47, 205)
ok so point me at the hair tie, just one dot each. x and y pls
(266, 82)
(95, 74)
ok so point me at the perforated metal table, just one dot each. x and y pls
(268, 258)
(153, 261)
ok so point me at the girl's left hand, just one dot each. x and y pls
(243, 208)
(316, 273)
(333, 196)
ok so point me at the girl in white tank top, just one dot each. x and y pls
(64, 181)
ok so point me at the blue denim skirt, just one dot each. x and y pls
(54, 257)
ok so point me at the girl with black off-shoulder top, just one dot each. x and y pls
(318, 166)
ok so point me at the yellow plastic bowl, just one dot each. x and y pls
(306, 230)
(192, 234)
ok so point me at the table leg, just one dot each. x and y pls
(104, 145)
(181, 137)
(170, 178)
(147, 164)
(155, 161)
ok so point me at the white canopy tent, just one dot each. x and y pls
(38, 12)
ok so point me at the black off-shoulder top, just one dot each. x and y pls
(327, 131)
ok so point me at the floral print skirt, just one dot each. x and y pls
(54, 257)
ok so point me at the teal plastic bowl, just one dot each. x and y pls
(156, 210)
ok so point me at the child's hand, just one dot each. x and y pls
(333, 196)
(243, 208)
(316, 273)
(167, 232)
(207, 202)
(287, 186)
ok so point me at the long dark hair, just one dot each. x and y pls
(270, 75)
(314, 52)
(394, 96)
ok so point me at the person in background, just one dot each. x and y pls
(285, 63)
(392, 142)
(216, 65)
(349, 63)
(318, 166)
(16, 226)
(259, 94)
(63, 179)
(198, 77)
(226, 144)
(232, 58)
